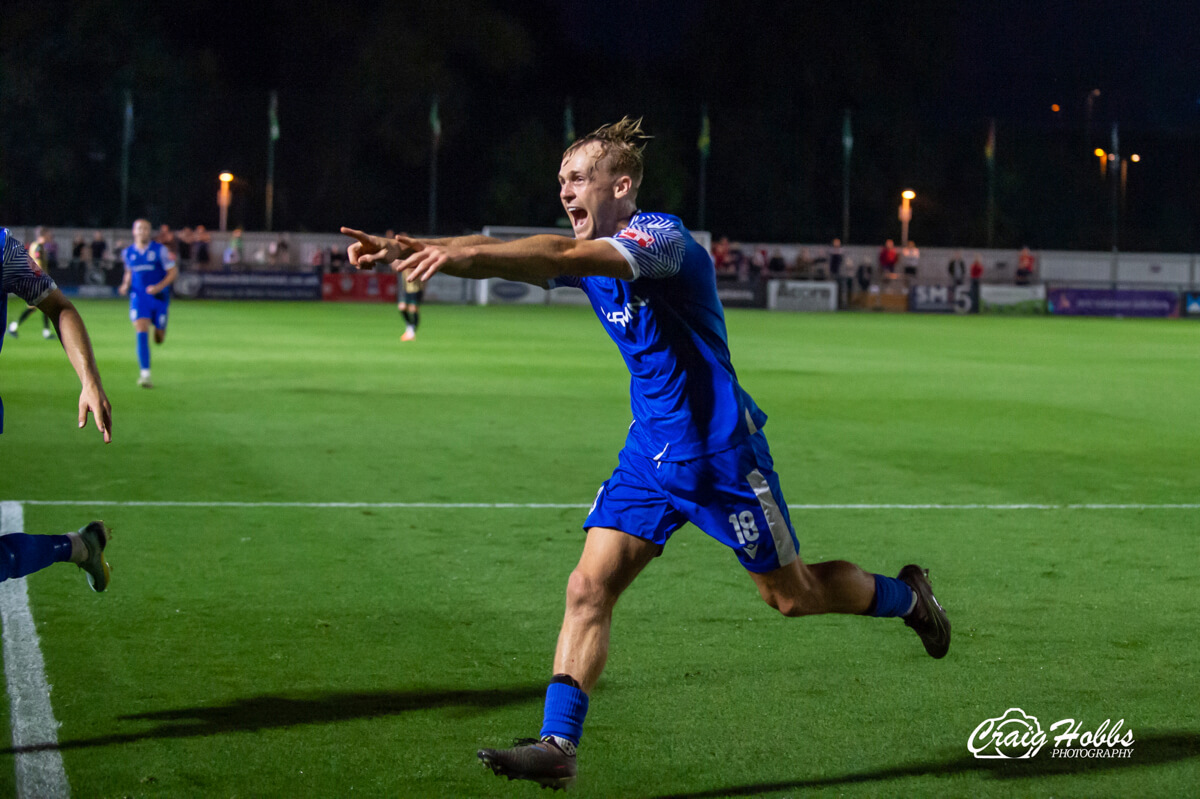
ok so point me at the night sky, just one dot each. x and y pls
(922, 80)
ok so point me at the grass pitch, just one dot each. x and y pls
(343, 651)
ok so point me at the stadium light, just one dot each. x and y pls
(223, 198)
(906, 197)
(1103, 156)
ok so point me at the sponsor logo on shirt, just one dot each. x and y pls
(624, 316)
(638, 237)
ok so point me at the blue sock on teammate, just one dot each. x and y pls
(22, 553)
(566, 708)
(892, 597)
(143, 350)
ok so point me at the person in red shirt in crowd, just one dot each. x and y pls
(720, 255)
(888, 256)
(977, 268)
(1025, 264)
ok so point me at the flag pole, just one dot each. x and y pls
(435, 127)
(272, 137)
(989, 152)
(847, 146)
(703, 144)
(568, 124)
(126, 141)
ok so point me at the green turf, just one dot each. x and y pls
(358, 651)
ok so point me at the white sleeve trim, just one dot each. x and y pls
(627, 255)
(41, 297)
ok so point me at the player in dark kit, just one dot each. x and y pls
(410, 307)
(696, 451)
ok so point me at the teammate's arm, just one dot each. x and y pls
(125, 281)
(172, 273)
(78, 346)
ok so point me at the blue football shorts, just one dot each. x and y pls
(732, 495)
(148, 306)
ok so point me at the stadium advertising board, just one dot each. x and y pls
(512, 292)
(90, 292)
(1105, 302)
(1191, 304)
(567, 295)
(742, 295)
(448, 289)
(1012, 299)
(940, 299)
(247, 286)
(359, 287)
(801, 295)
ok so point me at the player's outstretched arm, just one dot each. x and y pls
(172, 273)
(78, 346)
(366, 250)
(536, 259)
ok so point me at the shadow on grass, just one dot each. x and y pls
(273, 712)
(1151, 749)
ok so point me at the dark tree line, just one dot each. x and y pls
(355, 84)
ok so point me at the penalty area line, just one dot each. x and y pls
(37, 760)
(577, 506)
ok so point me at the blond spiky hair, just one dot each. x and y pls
(621, 145)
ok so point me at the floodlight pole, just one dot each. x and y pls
(1115, 178)
(847, 146)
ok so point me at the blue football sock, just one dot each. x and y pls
(22, 554)
(892, 597)
(566, 707)
(143, 348)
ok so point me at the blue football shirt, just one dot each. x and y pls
(670, 328)
(19, 275)
(148, 266)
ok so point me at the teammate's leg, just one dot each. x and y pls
(25, 314)
(409, 310)
(160, 323)
(414, 305)
(611, 560)
(47, 332)
(141, 327)
(23, 553)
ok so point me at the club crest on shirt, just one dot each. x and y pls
(638, 237)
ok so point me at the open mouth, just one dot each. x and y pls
(578, 216)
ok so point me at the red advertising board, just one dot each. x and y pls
(359, 287)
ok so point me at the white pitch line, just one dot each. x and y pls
(572, 506)
(38, 763)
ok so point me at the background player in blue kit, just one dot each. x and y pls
(149, 272)
(21, 553)
(695, 451)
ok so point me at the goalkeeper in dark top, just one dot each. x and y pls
(696, 451)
